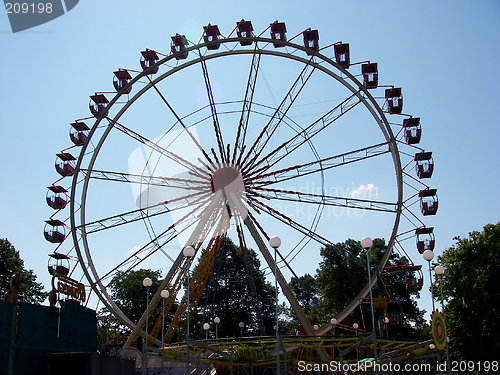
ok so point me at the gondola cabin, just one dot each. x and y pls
(58, 263)
(428, 201)
(121, 79)
(311, 40)
(55, 231)
(57, 197)
(395, 319)
(210, 34)
(412, 130)
(65, 164)
(414, 282)
(342, 56)
(148, 59)
(424, 164)
(98, 105)
(394, 100)
(425, 239)
(370, 75)
(78, 133)
(244, 29)
(278, 33)
(178, 46)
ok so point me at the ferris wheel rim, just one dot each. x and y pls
(377, 113)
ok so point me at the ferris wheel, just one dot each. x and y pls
(246, 136)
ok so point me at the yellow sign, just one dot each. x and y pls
(380, 302)
(69, 287)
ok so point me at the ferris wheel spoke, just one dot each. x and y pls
(247, 105)
(213, 109)
(150, 248)
(140, 214)
(161, 150)
(166, 182)
(317, 166)
(193, 138)
(278, 115)
(323, 199)
(153, 246)
(300, 228)
(305, 136)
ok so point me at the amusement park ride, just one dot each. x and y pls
(226, 167)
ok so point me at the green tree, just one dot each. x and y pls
(11, 263)
(129, 294)
(229, 294)
(340, 278)
(471, 291)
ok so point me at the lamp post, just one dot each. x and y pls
(241, 325)
(164, 295)
(439, 270)
(333, 322)
(147, 283)
(428, 256)
(275, 242)
(366, 243)
(355, 326)
(216, 321)
(386, 321)
(206, 327)
(188, 252)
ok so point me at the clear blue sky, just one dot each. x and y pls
(444, 54)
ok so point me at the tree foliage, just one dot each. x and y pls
(229, 294)
(11, 263)
(342, 274)
(470, 288)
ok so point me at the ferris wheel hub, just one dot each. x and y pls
(227, 179)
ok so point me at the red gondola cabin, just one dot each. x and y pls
(78, 133)
(244, 29)
(57, 197)
(210, 34)
(370, 75)
(278, 33)
(424, 164)
(121, 79)
(148, 59)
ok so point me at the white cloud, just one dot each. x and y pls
(368, 191)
